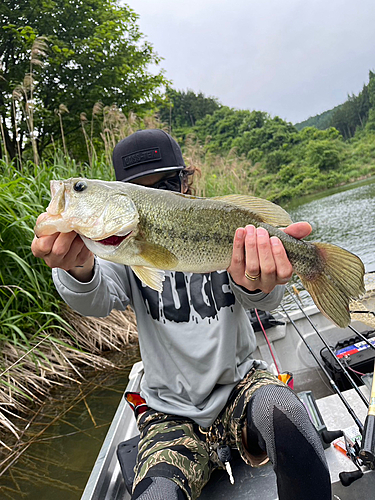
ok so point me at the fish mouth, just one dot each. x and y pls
(114, 240)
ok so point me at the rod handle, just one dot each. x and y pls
(367, 451)
(329, 436)
(347, 478)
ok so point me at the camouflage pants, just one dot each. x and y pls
(177, 448)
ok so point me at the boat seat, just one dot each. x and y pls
(127, 455)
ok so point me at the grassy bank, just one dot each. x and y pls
(42, 342)
(279, 162)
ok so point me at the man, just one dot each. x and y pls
(204, 390)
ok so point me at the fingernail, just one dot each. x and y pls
(250, 230)
(240, 233)
(261, 232)
(275, 240)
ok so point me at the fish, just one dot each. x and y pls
(154, 230)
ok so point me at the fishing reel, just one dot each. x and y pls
(359, 448)
(364, 454)
(352, 452)
(360, 452)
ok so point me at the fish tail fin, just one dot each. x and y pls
(341, 279)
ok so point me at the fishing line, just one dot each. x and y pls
(349, 377)
(268, 342)
(324, 370)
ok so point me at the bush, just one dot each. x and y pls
(323, 154)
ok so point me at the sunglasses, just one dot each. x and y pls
(170, 183)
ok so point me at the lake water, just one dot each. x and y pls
(59, 465)
(345, 218)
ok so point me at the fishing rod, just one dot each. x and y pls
(342, 366)
(352, 450)
(367, 451)
(360, 335)
(325, 371)
(362, 454)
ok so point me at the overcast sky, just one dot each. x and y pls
(291, 58)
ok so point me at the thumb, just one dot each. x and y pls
(298, 230)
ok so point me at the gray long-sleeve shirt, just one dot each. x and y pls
(195, 338)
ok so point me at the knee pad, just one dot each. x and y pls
(275, 410)
(280, 421)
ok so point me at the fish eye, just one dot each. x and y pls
(80, 186)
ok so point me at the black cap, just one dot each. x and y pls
(146, 152)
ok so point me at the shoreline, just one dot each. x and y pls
(316, 195)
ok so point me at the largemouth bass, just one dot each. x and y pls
(154, 230)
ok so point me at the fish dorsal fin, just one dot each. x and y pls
(149, 276)
(189, 196)
(265, 210)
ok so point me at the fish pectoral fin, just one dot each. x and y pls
(149, 276)
(263, 210)
(159, 258)
(157, 255)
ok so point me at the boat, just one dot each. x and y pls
(295, 341)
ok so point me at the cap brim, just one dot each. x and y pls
(151, 171)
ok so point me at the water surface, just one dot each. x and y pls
(346, 219)
(57, 466)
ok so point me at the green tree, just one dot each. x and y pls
(262, 138)
(321, 121)
(370, 125)
(94, 52)
(220, 129)
(183, 109)
(353, 114)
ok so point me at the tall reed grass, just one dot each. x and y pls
(218, 175)
(40, 342)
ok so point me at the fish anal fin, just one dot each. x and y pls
(264, 210)
(149, 276)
